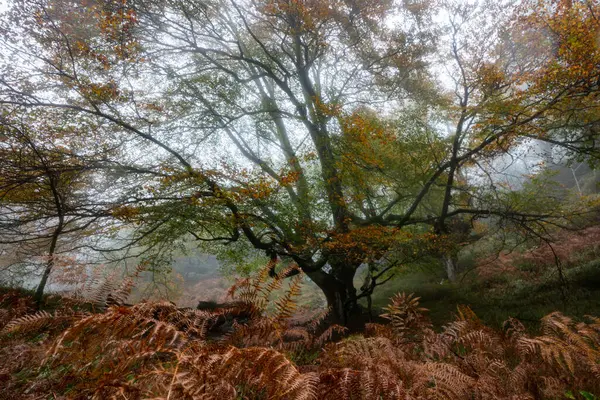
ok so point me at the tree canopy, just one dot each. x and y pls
(328, 133)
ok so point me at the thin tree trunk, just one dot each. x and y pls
(52, 180)
(39, 293)
(450, 264)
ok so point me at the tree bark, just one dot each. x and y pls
(39, 293)
(340, 293)
(450, 264)
(58, 202)
(49, 265)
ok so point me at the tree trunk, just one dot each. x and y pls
(39, 293)
(450, 264)
(338, 288)
(50, 264)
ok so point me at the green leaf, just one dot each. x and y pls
(587, 395)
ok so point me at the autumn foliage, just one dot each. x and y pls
(159, 351)
(324, 135)
(568, 249)
(318, 132)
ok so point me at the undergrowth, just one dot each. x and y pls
(527, 284)
(101, 348)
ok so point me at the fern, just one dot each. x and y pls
(29, 322)
(155, 350)
(258, 370)
(406, 317)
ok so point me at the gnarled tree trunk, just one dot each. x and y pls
(340, 293)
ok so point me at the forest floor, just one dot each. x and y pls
(501, 296)
(514, 327)
(494, 296)
(154, 350)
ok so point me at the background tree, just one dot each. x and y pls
(499, 59)
(49, 206)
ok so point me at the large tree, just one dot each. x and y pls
(310, 130)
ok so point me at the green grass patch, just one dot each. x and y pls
(497, 299)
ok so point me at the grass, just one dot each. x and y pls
(497, 299)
